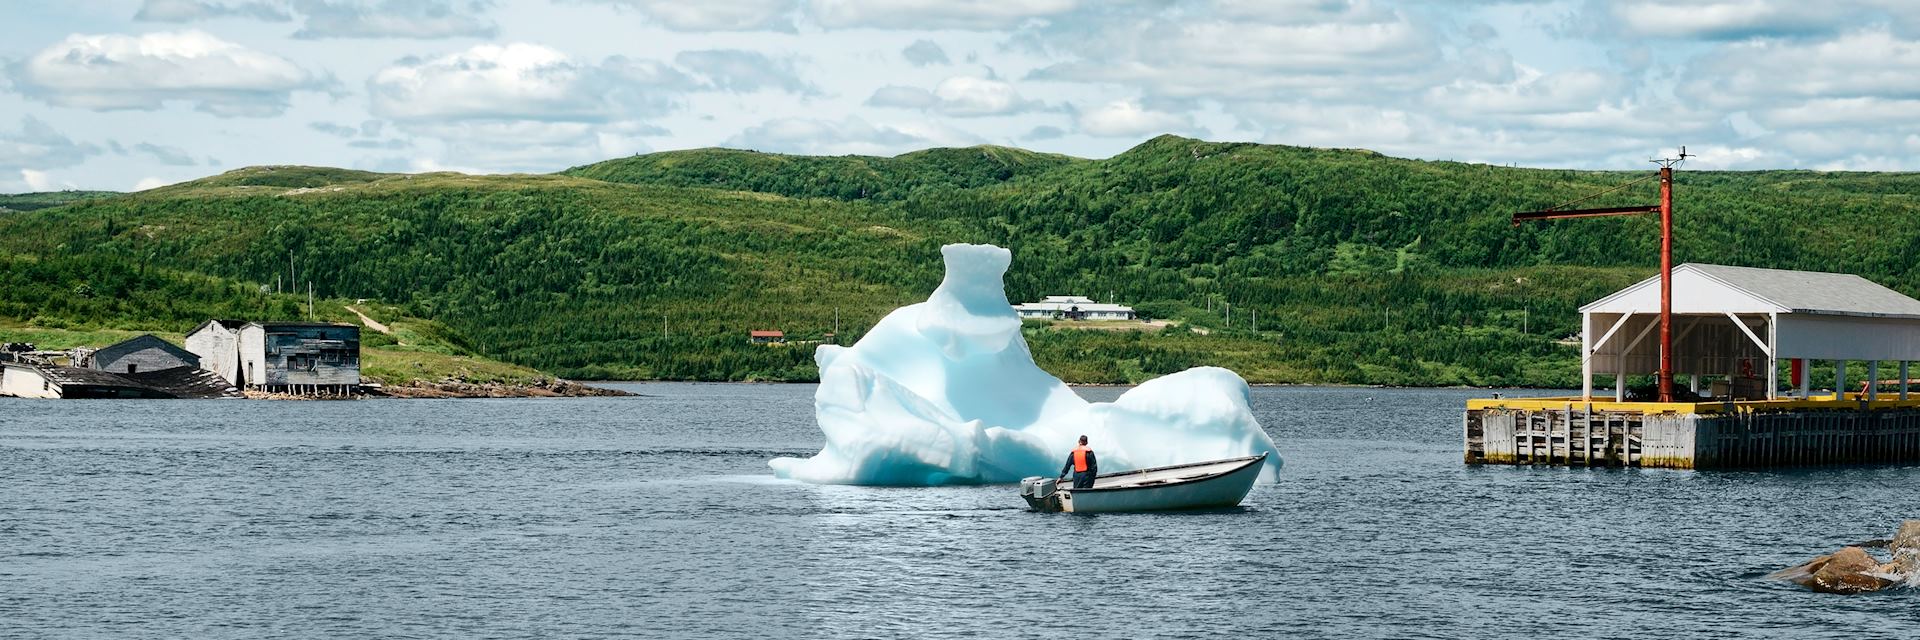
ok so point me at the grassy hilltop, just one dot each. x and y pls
(1361, 268)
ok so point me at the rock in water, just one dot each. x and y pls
(1850, 570)
(1906, 552)
(946, 392)
(1853, 570)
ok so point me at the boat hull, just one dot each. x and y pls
(1206, 485)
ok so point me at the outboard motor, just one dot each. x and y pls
(1039, 493)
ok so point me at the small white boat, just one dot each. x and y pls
(1198, 485)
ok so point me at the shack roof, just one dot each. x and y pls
(297, 325)
(230, 325)
(757, 333)
(77, 377)
(142, 341)
(1714, 289)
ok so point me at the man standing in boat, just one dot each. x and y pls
(1083, 464)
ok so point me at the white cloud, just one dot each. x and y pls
(902, 98)
(959, 96)
(924, 53)
(850, 135)
(744, 71)
(525, 107)
(1126, 118)
(37, 180)
(516, 81)
(38, 145)
(1206, 56)
(1531, 92)
(934, 14)
(151, 182)
(1841, 112)
(172, 156)
(1730, 19)
(390, 19)
(192, 10)
(112, 71)
(1864, 63)
(716, 15)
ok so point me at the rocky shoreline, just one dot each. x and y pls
(460, 389)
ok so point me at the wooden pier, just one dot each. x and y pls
(1848, 429)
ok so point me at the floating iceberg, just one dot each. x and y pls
(945, 392)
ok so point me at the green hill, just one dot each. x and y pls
(1361, 268)
(10, 202)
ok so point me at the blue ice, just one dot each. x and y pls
(946, 392)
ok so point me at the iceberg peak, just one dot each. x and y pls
(969, 315)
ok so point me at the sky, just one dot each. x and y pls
(133, 94)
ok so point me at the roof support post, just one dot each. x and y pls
(1586, 357)
(1903, 381)
(1873, 380)
(1806, 378)
(1839, 380)
(1773, 364)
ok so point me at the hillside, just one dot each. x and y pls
(1362, 268)
(10, 202)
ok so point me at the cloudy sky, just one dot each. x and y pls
(129, 94)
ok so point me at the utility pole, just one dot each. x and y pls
(310, 316)
(1229, 314)
(1256, 320)
(1665, 209)
(663, 325)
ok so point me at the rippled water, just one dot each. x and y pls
(656, 516)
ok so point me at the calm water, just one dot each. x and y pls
(655, 516)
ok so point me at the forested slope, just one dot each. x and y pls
(1361, 268)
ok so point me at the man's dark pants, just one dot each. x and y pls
(1083, 479)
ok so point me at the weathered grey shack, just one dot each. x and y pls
(141, 353)
(300, 357)
(217, 344)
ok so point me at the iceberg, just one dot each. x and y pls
(946, 392)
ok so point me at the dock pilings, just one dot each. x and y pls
(1582, 435)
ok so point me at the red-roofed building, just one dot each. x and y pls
(769, 336)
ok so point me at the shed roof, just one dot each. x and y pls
(757, 333)
(1713, 288)
(142, 341)
(230, 325)
(75, 376)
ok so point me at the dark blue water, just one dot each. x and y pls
(656, 517)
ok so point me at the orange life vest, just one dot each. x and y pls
(1080, 457)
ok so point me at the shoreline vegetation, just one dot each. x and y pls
(1287, 265)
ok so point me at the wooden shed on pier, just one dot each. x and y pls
(1731, 328)
(300, 357)
(1732, 325)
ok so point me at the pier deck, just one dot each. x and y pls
(1570, 431)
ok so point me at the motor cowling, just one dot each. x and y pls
(1038, 487)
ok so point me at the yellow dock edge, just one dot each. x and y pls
(1853, 401)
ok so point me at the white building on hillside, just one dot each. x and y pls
(1073, 308)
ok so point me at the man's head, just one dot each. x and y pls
(1083, 439)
